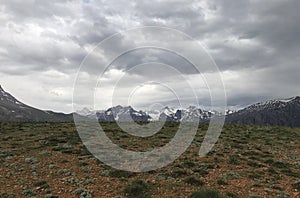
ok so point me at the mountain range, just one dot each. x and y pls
(124, 114)
(279, 112)
(272, 112)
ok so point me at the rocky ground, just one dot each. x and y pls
(49, 160)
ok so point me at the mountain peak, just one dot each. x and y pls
(85, 111)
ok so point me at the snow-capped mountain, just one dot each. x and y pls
(282, 112)
(229, 111)
(12, 109)
(86, 112)
(154, 114)
(123, 114)
(120, 113)
(193, 114)
(169, 114)
(8, 99)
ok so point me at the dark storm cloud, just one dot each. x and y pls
(267, 33)
(143, 56)
(244, 37)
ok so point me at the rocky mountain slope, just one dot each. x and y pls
(273, 112)
(13, 110)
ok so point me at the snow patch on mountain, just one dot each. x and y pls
(281, 112)
(127, 113)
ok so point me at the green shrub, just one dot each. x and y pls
(271, 170)
(82, 164)
(230, 176)
(163, 176)
(193, 180)
(231, 194)
(233, 160)
(296, 185)
(31, 160)
(28, 193)
(120, 174)
(83, 193)
(189, 164)
(5, 153)
(178, 172)
(206, 193)
(222, 181)
(289, 172)
(279, 164)
(10, 195)
(255, 196)
(137, 189)
(65, 172)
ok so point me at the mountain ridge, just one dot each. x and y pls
(123, 114)
(13, 110)
(281, 112)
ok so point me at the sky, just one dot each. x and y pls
(255, 45)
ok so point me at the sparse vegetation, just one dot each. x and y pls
(83, 193)
(49, 160)
(193, 180)
(137, 189)
(233, 160)
(206, 193)
(28, 192)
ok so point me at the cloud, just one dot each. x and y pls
(255, 44)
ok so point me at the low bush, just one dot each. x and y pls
(206, 193)
(137, 189)
(193, 180)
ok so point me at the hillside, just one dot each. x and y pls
(273, 112)
(12, 109)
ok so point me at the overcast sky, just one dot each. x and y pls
(255, 44)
